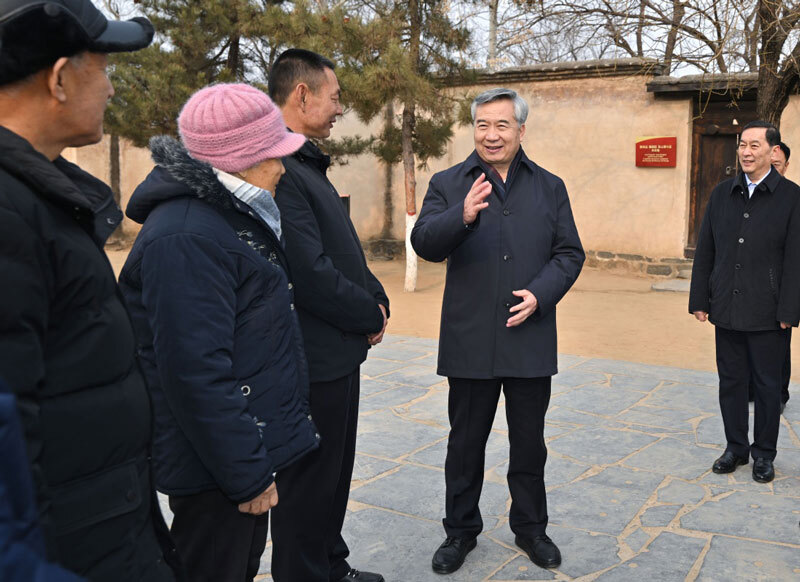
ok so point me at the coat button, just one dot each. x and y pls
(309, 417)
(317, 436)
(737, 266)
(246, 390)
(291, 286)
(291, 306)
(735, 291)
(506, 257)
(747, 215)
(506, 304)
(741, 240)
(506, 212)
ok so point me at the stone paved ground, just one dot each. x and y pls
(630, 492)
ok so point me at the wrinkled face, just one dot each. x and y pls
(497, 133)
(264, 175)
(755, 152)
(322, 107)
(87, 90)
(779, 161)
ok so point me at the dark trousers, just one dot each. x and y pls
(759, 355)
(307, 543)
(472, 405)
(787, 373)
(215, 541)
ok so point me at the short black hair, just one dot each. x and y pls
(295, 66)
(773, 134)
(785, 149)
(34, 41)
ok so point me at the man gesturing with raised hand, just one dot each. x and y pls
(512, 252)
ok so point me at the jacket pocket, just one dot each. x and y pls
(96, 498)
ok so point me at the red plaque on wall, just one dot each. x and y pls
(657, 152)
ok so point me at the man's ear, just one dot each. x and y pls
(300, 93)
(55, 80)
(521, 131)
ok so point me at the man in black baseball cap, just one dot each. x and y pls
(67, 348)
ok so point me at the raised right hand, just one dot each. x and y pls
(476, 198)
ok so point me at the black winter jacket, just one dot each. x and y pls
(746, 272)
(337, 295)
(218, 335)
(67, 350)
(525, 240)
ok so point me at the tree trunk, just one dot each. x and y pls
(409, 120)
(678, 10)
(234, 57)
(774, 85)
(388, 182)
(492, 60)
(114, 179)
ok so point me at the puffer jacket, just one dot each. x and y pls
(67, 350)
(218, 336)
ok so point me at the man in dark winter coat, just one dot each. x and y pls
(746, 281)
(342, 308)
(66, 344)
(208, 287)
(505, 227)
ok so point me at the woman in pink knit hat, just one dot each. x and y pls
(211, 299)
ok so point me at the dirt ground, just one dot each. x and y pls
(605, 315)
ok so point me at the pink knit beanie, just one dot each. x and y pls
(234, 127)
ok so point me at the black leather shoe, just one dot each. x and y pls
(451, 554)
(763, 471)
(355, 576)
(728, 462)
(541, 550)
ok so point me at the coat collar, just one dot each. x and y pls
(311, 153)
(474, 161)
(59, 181)
(769, 183)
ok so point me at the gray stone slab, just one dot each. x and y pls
(743, 514)
(412, 375)
(375, 367)
(599, 399)
(370, 386)
(600, 446)
(668, 558)
(569, 360)
(385, 435)
(577, 376)
(420, 492)
(681, 493)
(582, 552)
(637, 539)
(686, 396)
(672, 285)
(748, 561)
(393, 397)
(645, 370)
(603, 503)
(712, 431)
(671, 456)
(659, 516)
(656, 417)
(788, 487)
(401, 548)
(401, 351)
(564, 415)
(642, 384)
(434, 407)
(365, 467)
(521, 568)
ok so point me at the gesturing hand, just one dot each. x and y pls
(476, 199)
(263, 503)
(524, 309)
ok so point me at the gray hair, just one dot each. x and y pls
(520, 105)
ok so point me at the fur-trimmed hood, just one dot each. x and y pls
(176, 175)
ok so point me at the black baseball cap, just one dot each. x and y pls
(101, 35)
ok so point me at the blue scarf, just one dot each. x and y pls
(258, 199)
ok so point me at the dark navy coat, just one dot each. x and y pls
(219, 340)
(68, 352)
(337, 295)
(526, 241)
(746, 271)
